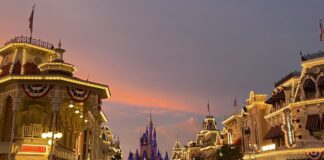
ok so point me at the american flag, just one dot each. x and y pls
(235, 102)
(31, 20)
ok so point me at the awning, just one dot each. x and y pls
(313, 122)
(276, 97)
(274, 132)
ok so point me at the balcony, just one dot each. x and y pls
(29, 40)
(33, 131)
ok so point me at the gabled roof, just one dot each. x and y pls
(287, 77)
(306, 57)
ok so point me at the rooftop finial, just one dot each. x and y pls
(208, 108)
(60, 43)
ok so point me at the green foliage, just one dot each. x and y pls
(229, 152)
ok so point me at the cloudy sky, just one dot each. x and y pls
(170, 57)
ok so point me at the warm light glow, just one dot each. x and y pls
(268, 147)
(58, 135)
(77, 111)
(44, 135)
(71, 105)
(81, 116)
(49, 142)
(103, 116)
(85, 120)
(56, 78)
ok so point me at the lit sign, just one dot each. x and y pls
(33, 149)
(289, 128)
(268, 147)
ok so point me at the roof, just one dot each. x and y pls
(26, 41)
(306, 57)
(287, 77)
(32, 41)
(74, 80)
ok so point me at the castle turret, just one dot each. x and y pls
(166, 156)
(176, 149)
(148, 143)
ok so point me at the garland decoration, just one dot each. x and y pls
(77, 94)
(314, 155)
(36, 90)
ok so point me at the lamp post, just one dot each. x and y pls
(51, 140)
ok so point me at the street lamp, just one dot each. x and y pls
(51, 139)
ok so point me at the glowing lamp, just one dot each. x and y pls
(268, 147)
(71, 105)
(77, 111)
(49, 134)
(58, 135)
(44, 135)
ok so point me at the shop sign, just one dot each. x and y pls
(33, 149)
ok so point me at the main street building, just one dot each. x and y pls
(289, 124)
(45, 111)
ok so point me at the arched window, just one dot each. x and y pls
(321, 86)
(309, 89)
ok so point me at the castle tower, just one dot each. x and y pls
(148, 143)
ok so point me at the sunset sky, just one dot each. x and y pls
(170, 57)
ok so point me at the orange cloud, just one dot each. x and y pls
(147, 99)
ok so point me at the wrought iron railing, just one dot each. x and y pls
(33, 130)
(32, 41)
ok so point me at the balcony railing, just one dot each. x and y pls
(29, 40)
(33, 130)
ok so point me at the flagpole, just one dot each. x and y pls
(31, 21)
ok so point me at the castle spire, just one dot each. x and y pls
(151, 118)
(208, 108)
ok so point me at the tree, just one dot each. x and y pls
(229, 152)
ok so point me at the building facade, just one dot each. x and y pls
(45, 111)
(148, 146)
(288, 125)
(108, 146)
(207, 141)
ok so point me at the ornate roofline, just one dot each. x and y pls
(286, 78)
(74, 80)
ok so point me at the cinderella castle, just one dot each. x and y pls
(148, 146)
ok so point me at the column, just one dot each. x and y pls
(15, 106)
(55, 108)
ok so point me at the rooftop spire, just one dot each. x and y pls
(151, 123)
(59, 44)
(150, 116)
(208, 108)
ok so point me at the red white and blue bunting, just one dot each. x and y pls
(36, 90)
(314, 155)
(77, 94)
